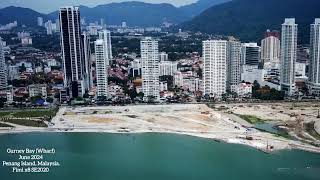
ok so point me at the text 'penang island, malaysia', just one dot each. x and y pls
(30, 160)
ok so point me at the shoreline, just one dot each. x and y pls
(293, 146)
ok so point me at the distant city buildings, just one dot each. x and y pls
(150, 68)
(57, 25)
(215, 67)
(314, 65)
(8, 26)
(102, 22)
(226, 66)
(49, 27)
(40, 21)
(93, 29)
(23, 35)
(124, 24)
(38, 90)
(288, 58)
(26, 41)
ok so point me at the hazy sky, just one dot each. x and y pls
(46, 6)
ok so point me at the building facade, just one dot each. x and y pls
(105, 35)
(234, 65)
(86, 51)
(270, 47)
(163, 56)
(168, 68)
(250, 54)
(71, 47)
(3, 69)
(38, 90)
(314, 65)
(244, 90)
(101, 68)
(215, 67)
(150, 68)
(288, 55)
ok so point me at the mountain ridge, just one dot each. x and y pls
(7, 15)
(249, 19)
(135, 13)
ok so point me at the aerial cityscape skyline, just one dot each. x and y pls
(226, 60)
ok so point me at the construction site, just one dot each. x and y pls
(267, 127)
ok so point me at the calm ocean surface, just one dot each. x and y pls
(100, 156)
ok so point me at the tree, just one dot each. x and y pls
(141, 95)
(168, 79)
(133, 93)
(151, 99)
(86, 95)
(34, 99)
(57, 95)
(255, 90)
(2, 100)
(224, 96)
(49, 99)
(22, 68)
(79, 98)
(256, 85)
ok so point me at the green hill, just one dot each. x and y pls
(249, 19)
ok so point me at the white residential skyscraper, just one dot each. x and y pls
(101, 68)
(233, 64)
(87, 75)
(105, 35)
(270, 47)
(215, 67)
(288, 55)
(71, 47)
(150, 68)
(3, 71)
(314, 65)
